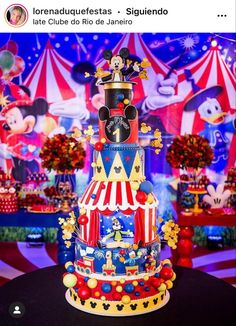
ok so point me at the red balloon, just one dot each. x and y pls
(98, 146)
(84, 293)
(156, 282)
(141, 197)
(185, 262)
(82, 220)
(185, 247)
(80, 282)
(120, 105)
(186, 232)
(116, 296)
(166, 273)
(11, 46)
(18, 67)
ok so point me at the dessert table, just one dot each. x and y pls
(22, 218)
(196, 299)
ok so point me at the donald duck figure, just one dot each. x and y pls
(216, 124)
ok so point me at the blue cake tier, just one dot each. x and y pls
(109, 263)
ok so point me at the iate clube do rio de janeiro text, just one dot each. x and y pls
(89, 16)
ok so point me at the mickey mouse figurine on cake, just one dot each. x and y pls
(117, 64)
(117, 269)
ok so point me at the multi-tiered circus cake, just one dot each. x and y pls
(117, 269)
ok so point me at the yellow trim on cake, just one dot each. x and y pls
(117, 308)
(118, 85)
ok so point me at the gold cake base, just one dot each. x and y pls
(117, 308)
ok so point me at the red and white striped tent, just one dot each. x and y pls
(207, 71)
(51, 77)
(106, 197)
(136, 46)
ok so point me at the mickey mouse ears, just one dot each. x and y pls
(200, 95)
(124, 53)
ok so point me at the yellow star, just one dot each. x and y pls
(3, 100)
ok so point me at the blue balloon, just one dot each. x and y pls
(71, 269)
(146, 186)
(120, 97)
(129, 288)
(106, 287)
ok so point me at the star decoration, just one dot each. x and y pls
(127, 158)
(107, 158)
(4, 101)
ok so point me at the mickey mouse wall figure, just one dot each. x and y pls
(117, 64)
(216, 125)
(24, 143)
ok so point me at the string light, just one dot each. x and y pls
(214, 43)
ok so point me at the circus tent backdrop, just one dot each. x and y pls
(51, 77)
(209, 70)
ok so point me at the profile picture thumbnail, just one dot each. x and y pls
(16, 15)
